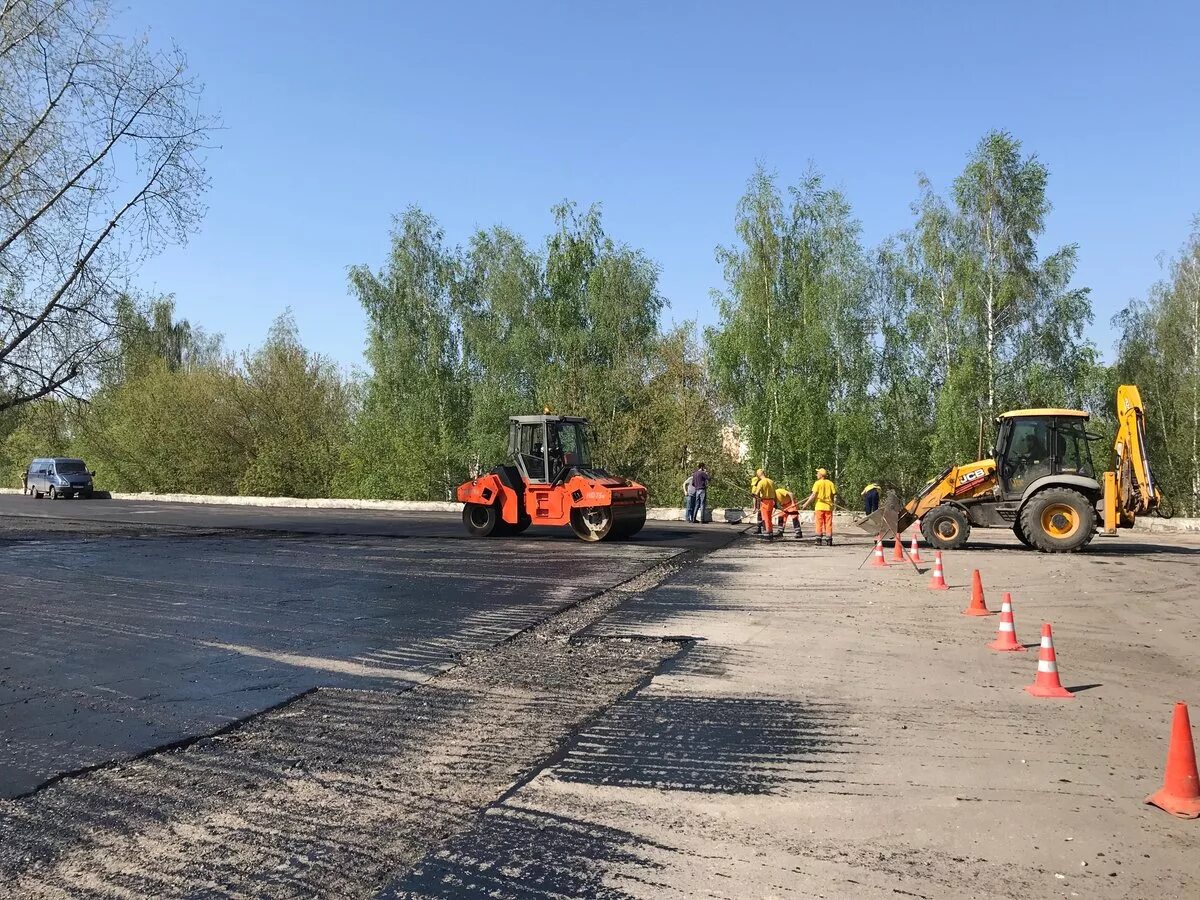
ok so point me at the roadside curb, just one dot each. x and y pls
(731, 515)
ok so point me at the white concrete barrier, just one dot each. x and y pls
(730, 515)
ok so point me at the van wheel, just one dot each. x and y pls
(53, 493)
(481, 521)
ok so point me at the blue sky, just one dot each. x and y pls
(339, 115)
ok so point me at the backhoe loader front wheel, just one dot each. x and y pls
(481, 521)
(1059, 520)
(945, 527)
(1019, 531)
(592, 523)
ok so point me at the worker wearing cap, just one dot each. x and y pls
(870, 497)
(754, 493)
(823, 493)
(785, 502)
(764, 490)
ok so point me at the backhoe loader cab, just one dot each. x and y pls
(1032, 444)
(1040, 481)
(552, 481)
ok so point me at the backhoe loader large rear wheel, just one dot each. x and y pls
(1059, 520)
(482, 521)
(945, 527)
(592, 523)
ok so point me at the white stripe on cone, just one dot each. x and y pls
(1047, 665)
(1006, 626)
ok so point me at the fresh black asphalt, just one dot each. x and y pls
(114, 644)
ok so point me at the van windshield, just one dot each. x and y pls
(70, 467)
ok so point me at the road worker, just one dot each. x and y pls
(785, 502)
(870, 498)
(758, 473)
(822, 497)
(764, 490)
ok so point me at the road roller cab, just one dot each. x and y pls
(551, 480)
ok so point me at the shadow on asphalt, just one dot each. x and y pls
(1098, 547)
(726, 745)
(516, 852)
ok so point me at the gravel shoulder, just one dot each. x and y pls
(839, 732)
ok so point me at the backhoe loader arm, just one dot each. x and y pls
(1130, 490)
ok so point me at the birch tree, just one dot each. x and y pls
(100, 166)
(1001, 199)
(791, 352)
(1159, 350)
(409, 439)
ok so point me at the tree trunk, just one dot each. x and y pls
(945, 333)
(1193, 283)
(991, 319)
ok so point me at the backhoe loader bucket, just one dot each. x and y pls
(890, 518)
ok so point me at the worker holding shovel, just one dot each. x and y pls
(764, 491)
(785, 502)
(754, 493)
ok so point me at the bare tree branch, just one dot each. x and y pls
(100, 167)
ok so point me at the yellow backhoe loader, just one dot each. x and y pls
(1040, 482)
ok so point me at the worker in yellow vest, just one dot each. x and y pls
(754, 493)
(764, 490)
(785, 502)
(870, 498)
(822, 497)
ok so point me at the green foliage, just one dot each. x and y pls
(409, 441)
(792, 352)
(294, 411)
(1159, 350)
(176, 414)
(42, 428)
(884, 366)
(462, 339)
(166, 431)
(880, 365)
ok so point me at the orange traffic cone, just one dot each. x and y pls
(914, 552)
(898, 550)
(877, 560)
(1006, 634)
(938, 581)
(978, 606)
(1180, 793)
(1046, 684)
